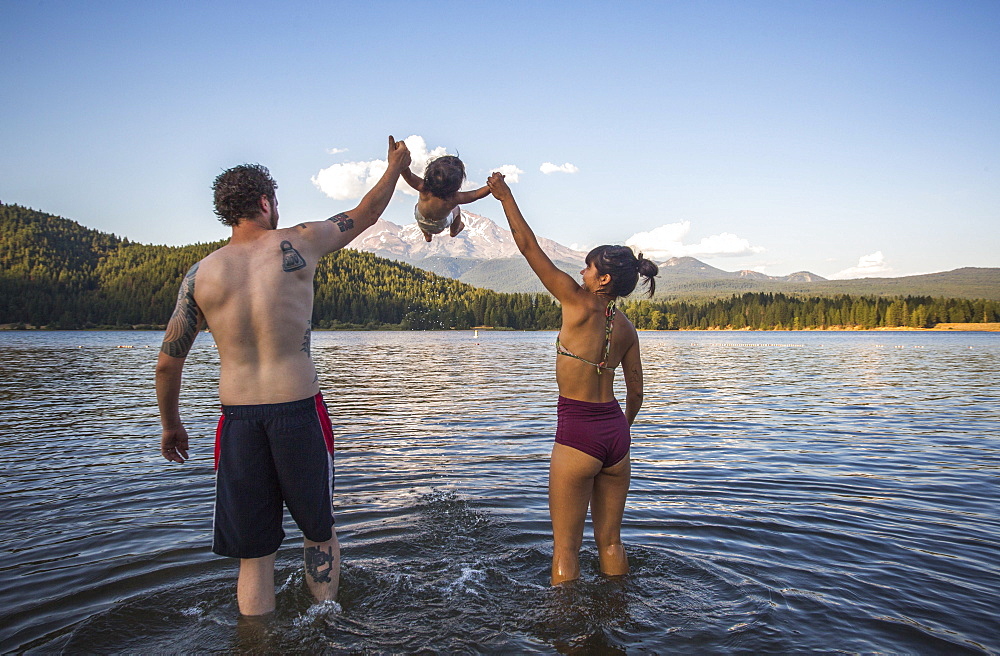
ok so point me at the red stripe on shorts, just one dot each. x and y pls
(218, 440)
(324, 421)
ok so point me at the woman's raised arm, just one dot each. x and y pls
(559, 283)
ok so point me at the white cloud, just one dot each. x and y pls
(549, 167)
(872, 265)
(668, 241)
(420, 155)
(351, 180)
(336, 151)
(509, 171)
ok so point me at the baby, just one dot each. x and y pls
(437, 208)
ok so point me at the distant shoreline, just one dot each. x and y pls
(942, 327)
(939, 328)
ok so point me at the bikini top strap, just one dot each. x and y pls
(609, 325)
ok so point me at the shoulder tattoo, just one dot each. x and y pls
(185, 321)
(343, 221)
(291, 260)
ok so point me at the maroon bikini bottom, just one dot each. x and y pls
(598, 429)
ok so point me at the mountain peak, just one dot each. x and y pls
(482, 239)
(692, 267)
(803, 276)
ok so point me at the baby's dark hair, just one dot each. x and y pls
(624, 268)
(444, 176)
(238, 191)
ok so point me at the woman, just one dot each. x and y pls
(590, 459)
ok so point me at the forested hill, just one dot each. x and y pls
(57, 273)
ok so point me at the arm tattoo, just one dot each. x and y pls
(290, 258)
(184, 323)
(343, 221)
(307, 339)
(319, 563)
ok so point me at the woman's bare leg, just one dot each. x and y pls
(607, 508)
(571, 483)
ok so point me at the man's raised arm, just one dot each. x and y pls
(338, 231)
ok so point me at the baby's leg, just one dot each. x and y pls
(457, 226)
(418, 218)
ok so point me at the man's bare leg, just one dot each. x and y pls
(255, 586)
(427, 235)
(322, 560)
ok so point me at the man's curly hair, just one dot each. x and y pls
(444, 176)
(238, 192)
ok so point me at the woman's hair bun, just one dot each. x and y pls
(624, 268)
(648, 270)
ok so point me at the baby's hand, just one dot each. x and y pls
(498, 186)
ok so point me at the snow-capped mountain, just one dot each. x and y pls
(482, 239)
(485, 255)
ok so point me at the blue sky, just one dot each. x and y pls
(844, 138)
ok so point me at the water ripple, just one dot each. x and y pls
(792, 492)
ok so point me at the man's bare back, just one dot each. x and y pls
(259, 313)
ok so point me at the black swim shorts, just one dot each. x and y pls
(265, 456)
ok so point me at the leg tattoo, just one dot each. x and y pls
(319, 564)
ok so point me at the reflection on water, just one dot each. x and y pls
(791, 492)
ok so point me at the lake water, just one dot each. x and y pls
(791, 492)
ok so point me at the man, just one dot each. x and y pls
(274, 444)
